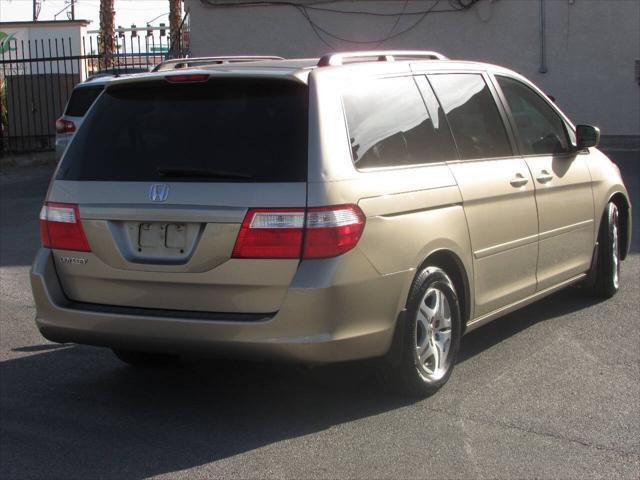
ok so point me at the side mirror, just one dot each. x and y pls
(587, 136)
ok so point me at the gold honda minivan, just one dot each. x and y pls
(370, 204)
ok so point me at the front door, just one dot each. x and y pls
(562, 185)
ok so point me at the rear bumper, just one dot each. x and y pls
(330, 314)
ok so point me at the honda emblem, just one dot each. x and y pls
(159, 192)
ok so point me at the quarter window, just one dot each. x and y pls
(474, 118)
(389, 125)
(540, 128)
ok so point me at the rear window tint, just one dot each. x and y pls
(243, 129)
(474, 118)
(389, 125)
(81, 99)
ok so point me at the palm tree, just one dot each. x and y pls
(175, 20)
(107, 42)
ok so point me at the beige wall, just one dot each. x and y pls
(591, 44)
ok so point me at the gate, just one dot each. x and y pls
(38, 76)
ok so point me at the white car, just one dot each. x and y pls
(81, 99)
(83, 96)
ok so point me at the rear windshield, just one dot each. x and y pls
(224, 130)
(81, 99)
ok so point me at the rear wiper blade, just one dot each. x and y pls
(198, 172)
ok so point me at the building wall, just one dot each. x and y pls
(592, 45)
(24, 40)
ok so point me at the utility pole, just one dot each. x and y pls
(37, 6)
(73, 9)
(107, 32)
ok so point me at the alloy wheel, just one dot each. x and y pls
(433, 334)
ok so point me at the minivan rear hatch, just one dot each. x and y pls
(163, 174)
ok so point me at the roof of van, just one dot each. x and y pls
(102, 79)
(294, 69)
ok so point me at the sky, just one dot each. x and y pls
(128, 12)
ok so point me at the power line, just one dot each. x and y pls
(456, 5)
(378, 41)
(305, 7)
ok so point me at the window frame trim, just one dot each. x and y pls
(446, 118)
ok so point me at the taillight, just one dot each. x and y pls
(270, 233)
(65, 126)
(298, 233)
(332, 231)
(60, 227)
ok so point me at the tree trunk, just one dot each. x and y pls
(107, 32)
(175, 19)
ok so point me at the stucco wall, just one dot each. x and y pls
(591, 44)
(22, 38)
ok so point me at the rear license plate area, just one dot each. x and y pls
(162, 235)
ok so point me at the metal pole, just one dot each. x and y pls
(543, 48)
(73, 9)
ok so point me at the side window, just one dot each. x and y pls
(473, 115)
(540, 128)
(389, 125)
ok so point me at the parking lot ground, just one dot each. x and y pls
(549, 391)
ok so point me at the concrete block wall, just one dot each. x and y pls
(591, 45)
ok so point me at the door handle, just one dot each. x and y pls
(544, 177)
(519, 180)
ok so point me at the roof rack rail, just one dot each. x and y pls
(178, 63)
(336, 59)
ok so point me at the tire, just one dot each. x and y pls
(144, 359)
(607, 268)
(431, 334)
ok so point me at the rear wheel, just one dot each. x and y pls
(145, 359)
(607, 269)
(431, 335)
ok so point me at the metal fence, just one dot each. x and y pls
(38, 76)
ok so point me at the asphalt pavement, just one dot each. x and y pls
(549, 391)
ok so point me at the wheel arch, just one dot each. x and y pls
(453, 266)
(624, 215)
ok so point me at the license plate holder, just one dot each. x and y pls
(175, 235)
(162, 235)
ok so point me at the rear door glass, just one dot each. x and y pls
(81, 100)
(389, 125)
(473, 115)
(239, 129)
